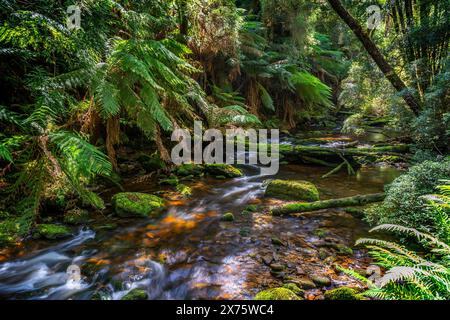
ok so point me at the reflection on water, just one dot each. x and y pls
(189, 253)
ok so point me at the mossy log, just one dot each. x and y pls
(299, 207)
(331, 157)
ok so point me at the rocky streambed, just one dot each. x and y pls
(213, 240)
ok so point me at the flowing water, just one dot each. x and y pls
(189, 253)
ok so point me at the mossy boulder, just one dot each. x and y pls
(188, 169)
(76, 216)
(52, 231)
(342, 293)
(228, 217)
(277, 294)
(134, 204)
(292, 190)
(136, 294)
(294, 288)
(225, 170)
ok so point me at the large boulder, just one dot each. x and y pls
(277, 294)
(292, 190)
(134, 204)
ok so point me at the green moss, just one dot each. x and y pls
(252, 208)
(344, 250)
(225, 170)
(321, 233)
(188, 169)
(52, 231)
(228, 217)
(292, 190)
(294, 288)
(277, 294)
(76, 216)
(133, 204)
(184, 190)
(12, 229)
(343, 293)
(136, 294)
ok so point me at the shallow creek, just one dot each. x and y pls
(189, 253)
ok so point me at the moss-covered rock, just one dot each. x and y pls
(294, 288)
(136, 294)
(342, 293)
(292, 190)
(52, 231)
(12, 229)
(188, 169)
(184, 190)
(226, 170)
(228, 217)
(277, 294)
(76, 216)
(134, 204)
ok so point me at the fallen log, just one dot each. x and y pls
(299, 207)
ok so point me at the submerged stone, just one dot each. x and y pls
(134, 204)
(292, 190)
(52, 231)
(277, 294)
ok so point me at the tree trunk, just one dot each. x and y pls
(333, 203)
(376, 55)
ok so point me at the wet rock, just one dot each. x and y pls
(342, 293)
(276, 267)
(305, 283)
(225, 170)
(228, 217)
(323, 254)
(76, 216)
(133, 204)
(321, 281)
(267, 259)
(52, 231)
(277, 294)
(136, 294)
(277, 241)
(292, 190)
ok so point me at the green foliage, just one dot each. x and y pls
(406, 200)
